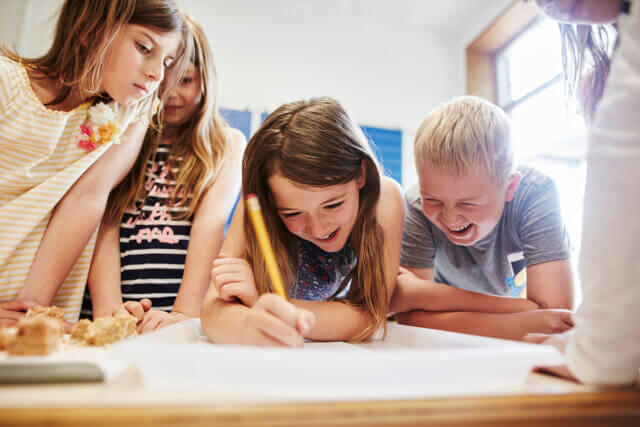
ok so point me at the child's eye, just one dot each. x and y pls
(290, 214)
(468, 205)
(430, 200)
(334, 205)
(187, 80)
(142, 48)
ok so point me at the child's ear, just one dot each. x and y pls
(362, 178)
(513, 185)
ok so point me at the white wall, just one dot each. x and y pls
(269, 52)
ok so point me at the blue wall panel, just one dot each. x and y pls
(240, 120)
(387, 144)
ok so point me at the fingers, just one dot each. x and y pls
(232, 290)
(567, 317)
(306, 320)
(18, 305)
(146, 304)
(152, 324)
(402, 270)
(535, 338)
(275, 331)
(135, 309)
(280, 308)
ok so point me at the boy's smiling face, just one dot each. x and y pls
(465, 207)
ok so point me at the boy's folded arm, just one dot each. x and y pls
(550, 284)
(427, 294)
(486, 324)
(497, 325)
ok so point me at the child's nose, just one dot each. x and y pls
(317, 228)
(449, 215)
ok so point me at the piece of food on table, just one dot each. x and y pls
(52, 312)
(35, 336)
(104, 330)
(6, 335)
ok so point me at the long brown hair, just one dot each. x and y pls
(585, 48)
(84, 32)
(200, 144)
(315, 143)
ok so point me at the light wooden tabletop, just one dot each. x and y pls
(544, 401)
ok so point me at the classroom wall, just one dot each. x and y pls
(387, 73)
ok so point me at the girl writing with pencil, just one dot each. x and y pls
(334, 223)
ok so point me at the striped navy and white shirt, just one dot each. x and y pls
(153, 246)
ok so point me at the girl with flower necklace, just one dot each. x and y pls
(71, 125)
(165, 222)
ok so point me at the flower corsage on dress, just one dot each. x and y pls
(100, 128)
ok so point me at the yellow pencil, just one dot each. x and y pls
(255, 213)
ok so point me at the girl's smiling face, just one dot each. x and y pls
(324, 216)
(135, 63)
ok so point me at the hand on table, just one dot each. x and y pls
(408, 285)
(558, 341)
(12, 311)
(156, 319)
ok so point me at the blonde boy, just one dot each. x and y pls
(484, 247)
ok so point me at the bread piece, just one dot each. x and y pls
(35, 336)
(7, 334)
(104, 330)
(52, 312)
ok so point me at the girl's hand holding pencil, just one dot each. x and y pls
(273, 321)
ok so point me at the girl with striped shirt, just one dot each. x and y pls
(71, 125)
(165, 222)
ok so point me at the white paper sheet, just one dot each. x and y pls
(408, 363)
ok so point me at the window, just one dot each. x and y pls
(548, 134)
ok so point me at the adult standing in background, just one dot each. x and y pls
(604, 346)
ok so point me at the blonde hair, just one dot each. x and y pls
(84, 32)
(315, 143)
(201, 145)
(467, 135)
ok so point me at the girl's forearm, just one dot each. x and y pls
(72, 223)
(335, 321)
(104, 274)
(223, 321)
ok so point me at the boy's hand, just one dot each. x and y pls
(14, 310)
(156, 319)
(275, 321)
(408, 285)
(233, 278)
(546, 321)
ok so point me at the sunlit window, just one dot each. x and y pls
(548, 134)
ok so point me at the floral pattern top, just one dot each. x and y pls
(321, 273)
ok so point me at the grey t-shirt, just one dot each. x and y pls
(531, 231)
